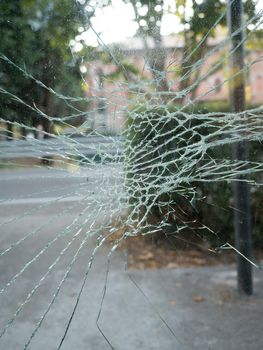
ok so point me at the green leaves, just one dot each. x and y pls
(36, 36)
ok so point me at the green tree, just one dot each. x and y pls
(207, 16)
(159, 134)
(36, 36)
(199, 23)
(55, 24)
(148, 15)
(16, 42)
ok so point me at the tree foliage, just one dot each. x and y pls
(36, 37)
(198, 20)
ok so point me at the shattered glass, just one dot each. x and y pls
(139, 155)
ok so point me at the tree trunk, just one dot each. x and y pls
(9, 132)
(156, 56)
(23, 132)
(157, 62)
(46, 121)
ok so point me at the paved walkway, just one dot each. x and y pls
(171, 309)
(195, 308)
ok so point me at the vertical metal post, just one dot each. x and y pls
(240, 150)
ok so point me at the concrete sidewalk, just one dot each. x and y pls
(170, 309)
(203, 309)
(195, 308)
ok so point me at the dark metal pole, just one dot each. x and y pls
(240, 151)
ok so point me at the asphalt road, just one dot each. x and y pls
(47, 244)
(41, 183)
(50, 220)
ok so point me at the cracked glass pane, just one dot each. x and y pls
(125, 126)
